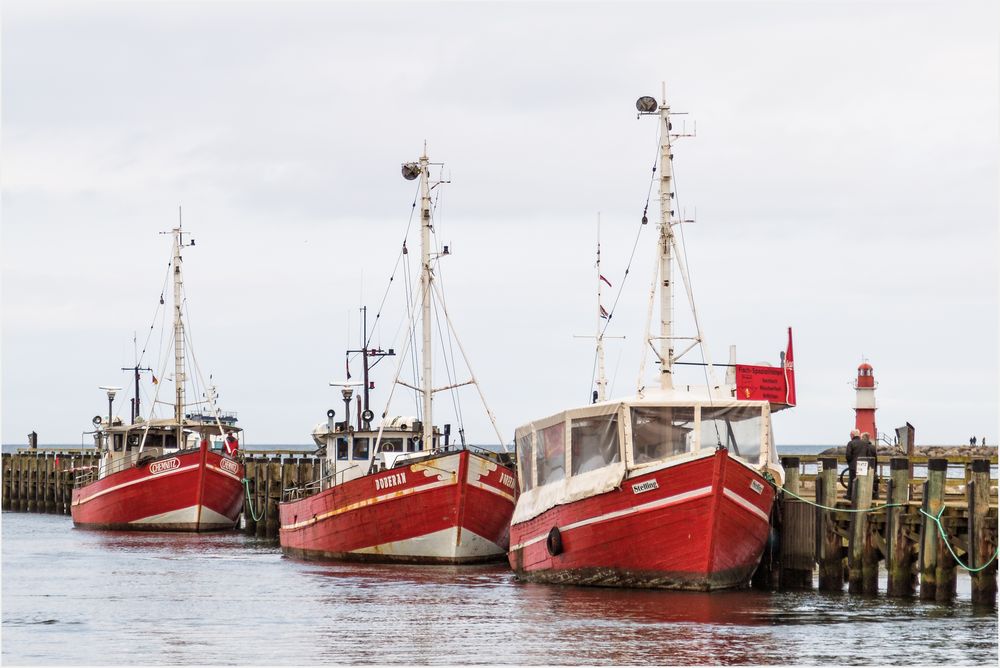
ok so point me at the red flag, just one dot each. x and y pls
(604, 314)
(605, 280)
(789, 373)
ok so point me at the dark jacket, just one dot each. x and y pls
(856, 448)
(870, 450)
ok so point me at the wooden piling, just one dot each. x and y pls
(273, 496)
(982, 541)
(899, 547)
(8, 475)
(260, 493)
(933, 502)
(798, 534)
(860, 578)
(829, 544)
(249, 505)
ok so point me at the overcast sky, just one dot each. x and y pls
(844, 181)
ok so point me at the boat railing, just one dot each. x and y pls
(316, 486)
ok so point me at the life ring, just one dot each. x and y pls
(388, 447)
(554, 542)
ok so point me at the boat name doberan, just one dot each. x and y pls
(390, 480)
(157, 468)
(230, 465)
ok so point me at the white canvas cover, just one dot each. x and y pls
(599, 444)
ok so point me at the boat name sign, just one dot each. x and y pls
(230, 465)
(756, 486)
(645, 486)
(157, 468)
(390, 480)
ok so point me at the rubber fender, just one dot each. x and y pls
(554, 542)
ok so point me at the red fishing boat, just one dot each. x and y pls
(669, 488)
(181, 473)
(401, 491)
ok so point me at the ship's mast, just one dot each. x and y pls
(602, 379)
(178, 333)
(426, 277)
(666, 246)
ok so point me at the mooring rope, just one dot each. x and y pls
(944, 537)
(844, 510)
(246, 486)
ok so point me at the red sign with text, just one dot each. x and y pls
(768, 383)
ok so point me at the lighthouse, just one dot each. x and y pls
(864, 407)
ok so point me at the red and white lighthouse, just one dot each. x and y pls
(864, 407)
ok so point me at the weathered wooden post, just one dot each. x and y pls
(50, 483)
(798, 534)
(273, 495)
(829, 544)
(899, 559)
(24, 481)
(249, 504)
(933, 502)
(982, 541)
(8, 476)
(857, 579)
(262, 478)
(32, 483)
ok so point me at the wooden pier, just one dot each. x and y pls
(922, 529)
(820, 539)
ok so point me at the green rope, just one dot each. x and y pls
(843, 510)
(246, 486)
(944, 537)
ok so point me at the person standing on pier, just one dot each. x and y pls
(872, 452)
(855, 449)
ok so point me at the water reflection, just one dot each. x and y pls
(85, 597)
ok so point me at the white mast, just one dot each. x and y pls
(666, 246)
(178, 331)
(602, 379)
(426, 276)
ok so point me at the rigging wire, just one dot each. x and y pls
(456, 397)
(635, 246)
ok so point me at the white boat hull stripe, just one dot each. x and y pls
(644, 507)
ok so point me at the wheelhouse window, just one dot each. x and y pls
(661, 431)
(413, 445)
(391, 445)
(525, 462)
(551, 453)
(737, 429)
(360, 448)
(593, 443)
(342, 448)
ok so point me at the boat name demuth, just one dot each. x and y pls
(164, 466)
(390, 481)
(646, 486)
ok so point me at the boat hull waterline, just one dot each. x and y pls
(700, 524)
(454, 508)
(191, 490)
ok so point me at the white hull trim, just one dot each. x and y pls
(444, 543)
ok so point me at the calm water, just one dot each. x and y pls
(88, 597)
